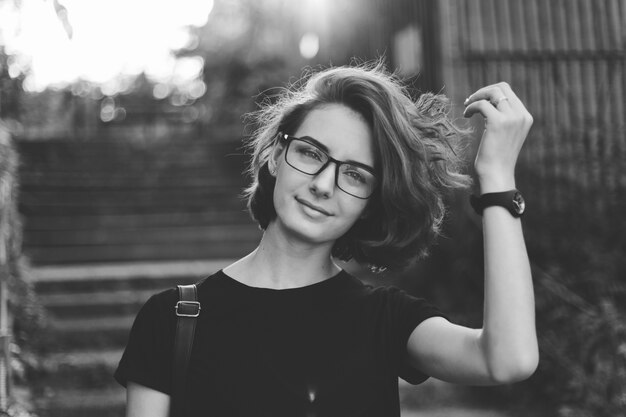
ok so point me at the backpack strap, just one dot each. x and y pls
(187, 311)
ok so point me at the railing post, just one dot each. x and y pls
(5, 339)
(5, 322)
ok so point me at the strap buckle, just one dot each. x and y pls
(189, 308)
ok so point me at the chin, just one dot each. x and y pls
(310, 231)
(313, 233)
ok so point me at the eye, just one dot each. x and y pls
(354, 175)
(310, 152)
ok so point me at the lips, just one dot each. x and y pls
(313, 206)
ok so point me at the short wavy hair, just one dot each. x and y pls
(416, 143)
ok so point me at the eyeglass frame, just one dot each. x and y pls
(289, 138)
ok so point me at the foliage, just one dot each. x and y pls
(580, 315)
(584, 352)
(27, 313)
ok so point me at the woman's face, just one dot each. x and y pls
(311, 207)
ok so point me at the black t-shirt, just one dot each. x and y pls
(335, 348)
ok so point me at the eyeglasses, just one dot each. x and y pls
(353, 178)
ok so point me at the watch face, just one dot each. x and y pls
(519, 204)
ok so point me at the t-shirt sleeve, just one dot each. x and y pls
(405, 313)
(147, 359)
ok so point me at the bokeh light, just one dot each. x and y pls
(100, 40)
(309, 45)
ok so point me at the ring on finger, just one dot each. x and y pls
(498, 101)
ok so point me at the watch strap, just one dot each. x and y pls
(512, 200)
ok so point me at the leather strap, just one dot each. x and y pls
(512, 200)
(187, 311)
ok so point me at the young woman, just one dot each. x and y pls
(347, 166)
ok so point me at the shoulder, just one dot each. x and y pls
(394, 302)
(161, 305)
(382, 293)
(159, 302)
(379, 294)
(158, 313)
(154, 315)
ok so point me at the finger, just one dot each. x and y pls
(483, 107)
(506, 90)
(501, 103)
(514, 101)
(491, 93)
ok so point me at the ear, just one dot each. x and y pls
(275, 158)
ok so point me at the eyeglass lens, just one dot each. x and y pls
(309, 159)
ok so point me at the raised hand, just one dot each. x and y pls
(507, 123)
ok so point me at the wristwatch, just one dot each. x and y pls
(512, 200)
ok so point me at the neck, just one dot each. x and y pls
(280, 262)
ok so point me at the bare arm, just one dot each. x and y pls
(142, 401)
(505, 349)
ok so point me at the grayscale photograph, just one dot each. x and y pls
(312, 208)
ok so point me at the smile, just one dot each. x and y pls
(313, 207)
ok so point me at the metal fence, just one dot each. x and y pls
(566, 61)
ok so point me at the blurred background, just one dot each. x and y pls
(121, 164)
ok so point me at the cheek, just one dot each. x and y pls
(284, 191)
(353, 210)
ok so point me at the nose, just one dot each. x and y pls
(323, 184)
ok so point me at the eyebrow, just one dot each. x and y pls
(325, 149)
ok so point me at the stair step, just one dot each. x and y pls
(129, 189)
(104, 153)
(82, 358)
(128, 253)
(85, 300)
(42, 209)
(97, 285)
(115, 337)
(85, 369)
(102, 302)
(65, 335)
(91, 325)
(184, 177)
(80, 403)
(63, 312)
(167, 235)
(105, 202)
(209, 215)
(125, 271)
(119, 180)
(67, 281)
(104, 284)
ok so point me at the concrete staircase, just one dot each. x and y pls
(110, 200)
(90, 310)
(107, 223)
